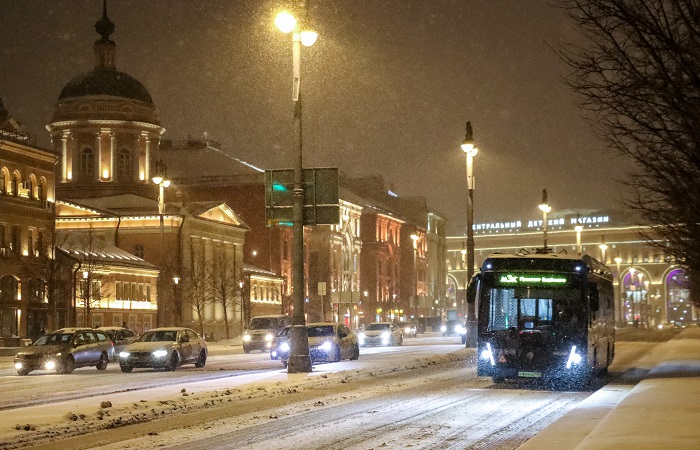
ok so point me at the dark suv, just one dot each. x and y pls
(65, 350)
(262, 331)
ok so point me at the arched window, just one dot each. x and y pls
(30, 187)
(15, 185)
(8, 289)
(680, 305)
(3, 181)
(124, 166)
(41, 190)
(87, 162)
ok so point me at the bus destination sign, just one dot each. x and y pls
(520, 279)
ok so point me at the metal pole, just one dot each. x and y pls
(299, 360)
(544, 228)
(160, 316)
(471, 324)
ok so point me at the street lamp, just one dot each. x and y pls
(545, 208)
(415, 237)
(579, 248)
(470, 151)
(618, 261)
(466, 275)
(160, 179)
(86, 298)
(299, 360)
(178, 307)
(603, 247)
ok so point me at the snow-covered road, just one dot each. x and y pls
(422, 395)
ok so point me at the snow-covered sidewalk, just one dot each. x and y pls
(660, 412)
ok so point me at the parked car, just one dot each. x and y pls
(454, 327)
(409, 329)
(165, 348)
(328, 342)
(262, 330)
(121, 337)
(65, 350)
(278, 341)
(381, 333)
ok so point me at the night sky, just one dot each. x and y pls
(387, 88)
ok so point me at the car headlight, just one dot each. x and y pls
(386, 335)
(407, 330)
(19, 365)
(269, 337)
(160, 353)
(361, 336)
(246, 338)
(574, 358)
(326, 346)
(443, 328)
(124, 354)
(284, 347)
(460, 329)
(49, 365)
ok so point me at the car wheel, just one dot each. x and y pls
(355, 352)
(68, 365)
(401, 340)
(102, 364)
(126, 369)
(22, 372)
(202, 359)
(174, 361)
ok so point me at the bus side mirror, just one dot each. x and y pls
(594, 296)
(473, 287)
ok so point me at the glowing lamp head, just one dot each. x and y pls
(157, 179)
(308, 38)
(545, 208)
(285, 21)
(469, 148)
(166, 183)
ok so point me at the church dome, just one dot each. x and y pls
(106, 82)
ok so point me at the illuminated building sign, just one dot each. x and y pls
(533, 279)
(516, 225)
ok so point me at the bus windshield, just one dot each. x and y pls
(525, 308)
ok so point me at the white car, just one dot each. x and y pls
(381, 333)
(328, 342)
(164, 348)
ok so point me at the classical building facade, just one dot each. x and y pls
(651, 287)
(26, 216)
(106, 129)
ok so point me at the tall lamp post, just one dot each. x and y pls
(299, 360)
(470, 151)
(160, 179)
(620, 322)
(545, 208)
(603, 247)
(414, 238)
(579, 248)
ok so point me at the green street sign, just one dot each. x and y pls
(321, 203)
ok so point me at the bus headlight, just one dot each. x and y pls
(574, 358)
(460, 329)
(487, 354)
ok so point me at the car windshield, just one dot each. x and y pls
(377, 326)
(53, 339)
(110, 333)
(320, 331)
(263, 323)
(159, 336)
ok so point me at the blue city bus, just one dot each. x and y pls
(543, 316)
